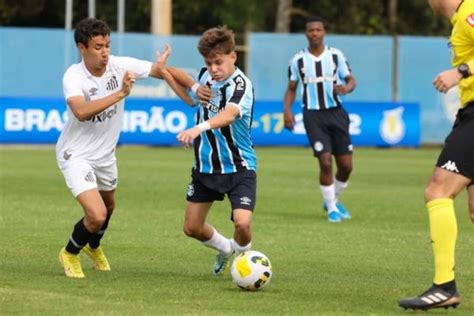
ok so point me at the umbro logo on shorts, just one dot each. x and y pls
(245, 200)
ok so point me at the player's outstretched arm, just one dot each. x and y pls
(160, 70)
(220, 120)
(203, 92)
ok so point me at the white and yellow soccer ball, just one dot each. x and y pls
(251, 270)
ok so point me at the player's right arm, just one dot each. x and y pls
(84, 110)
(203, 92)
(289, 98)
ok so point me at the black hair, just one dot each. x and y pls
(314, 18)
(88, 28)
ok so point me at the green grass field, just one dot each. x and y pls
(362, 266)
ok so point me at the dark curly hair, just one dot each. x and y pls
(218, 40)
(88, 28)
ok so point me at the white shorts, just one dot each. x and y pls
(81, 175)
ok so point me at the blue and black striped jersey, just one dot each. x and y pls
(318, 75)
(227, 149)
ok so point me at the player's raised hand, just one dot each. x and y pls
(161, 59)
(289, 120)
(446, 80)
(128, 81)
(186, 137)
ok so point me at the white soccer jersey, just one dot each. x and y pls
(95, 140)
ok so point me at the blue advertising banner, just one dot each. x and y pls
(157, 121)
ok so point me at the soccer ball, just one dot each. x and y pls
(251, 270)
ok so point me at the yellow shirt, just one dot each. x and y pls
(462, 42)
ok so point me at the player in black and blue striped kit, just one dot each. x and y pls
(225, 160)
(324, 74)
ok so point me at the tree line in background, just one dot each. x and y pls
(363, 17)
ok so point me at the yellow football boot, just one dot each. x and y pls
(71, 264)
(98, 258)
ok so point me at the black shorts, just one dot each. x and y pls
(458, 151)
(240, 187)
(328, 131)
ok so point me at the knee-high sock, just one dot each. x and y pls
(79, 238)
(219, 242)
(94, 241)
(339, 187)
(444, 230)
(329, 196)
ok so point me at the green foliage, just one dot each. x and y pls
(359, 267)
(366, 17)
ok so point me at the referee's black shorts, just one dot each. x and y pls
(458, 151)
(328, 131)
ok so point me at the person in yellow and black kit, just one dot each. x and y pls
(454, 170)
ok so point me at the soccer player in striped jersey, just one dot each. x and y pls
(225, 160)
(323, 73)
(454, 169)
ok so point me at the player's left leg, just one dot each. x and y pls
(243, 197)
(341, 181)
(470, 194)
(442, 188)
(326, 186)
(93, 249)
(242, 230)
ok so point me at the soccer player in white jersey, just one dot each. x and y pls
(94, 90)
(324, 74)
(225, 161)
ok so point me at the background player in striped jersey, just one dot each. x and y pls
(454, 169)
(324, 74)
(95, 90)
(225, 161)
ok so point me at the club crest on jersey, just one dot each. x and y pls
(470, 20)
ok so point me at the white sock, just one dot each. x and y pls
(329, 196)
(339, 187)
(239, 249)
(219, 242)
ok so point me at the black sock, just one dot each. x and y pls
(449, 287)
(94, 241)
(79, 238)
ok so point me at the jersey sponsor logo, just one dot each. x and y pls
(450, 166)
(101, 117)
(470, 20)
(112, 84)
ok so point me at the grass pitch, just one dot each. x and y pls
(361, 266)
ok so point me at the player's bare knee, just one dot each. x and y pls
(242, 227)
(191, 230)
(95, 220)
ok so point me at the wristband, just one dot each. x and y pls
(195, 87)
(204, 126)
